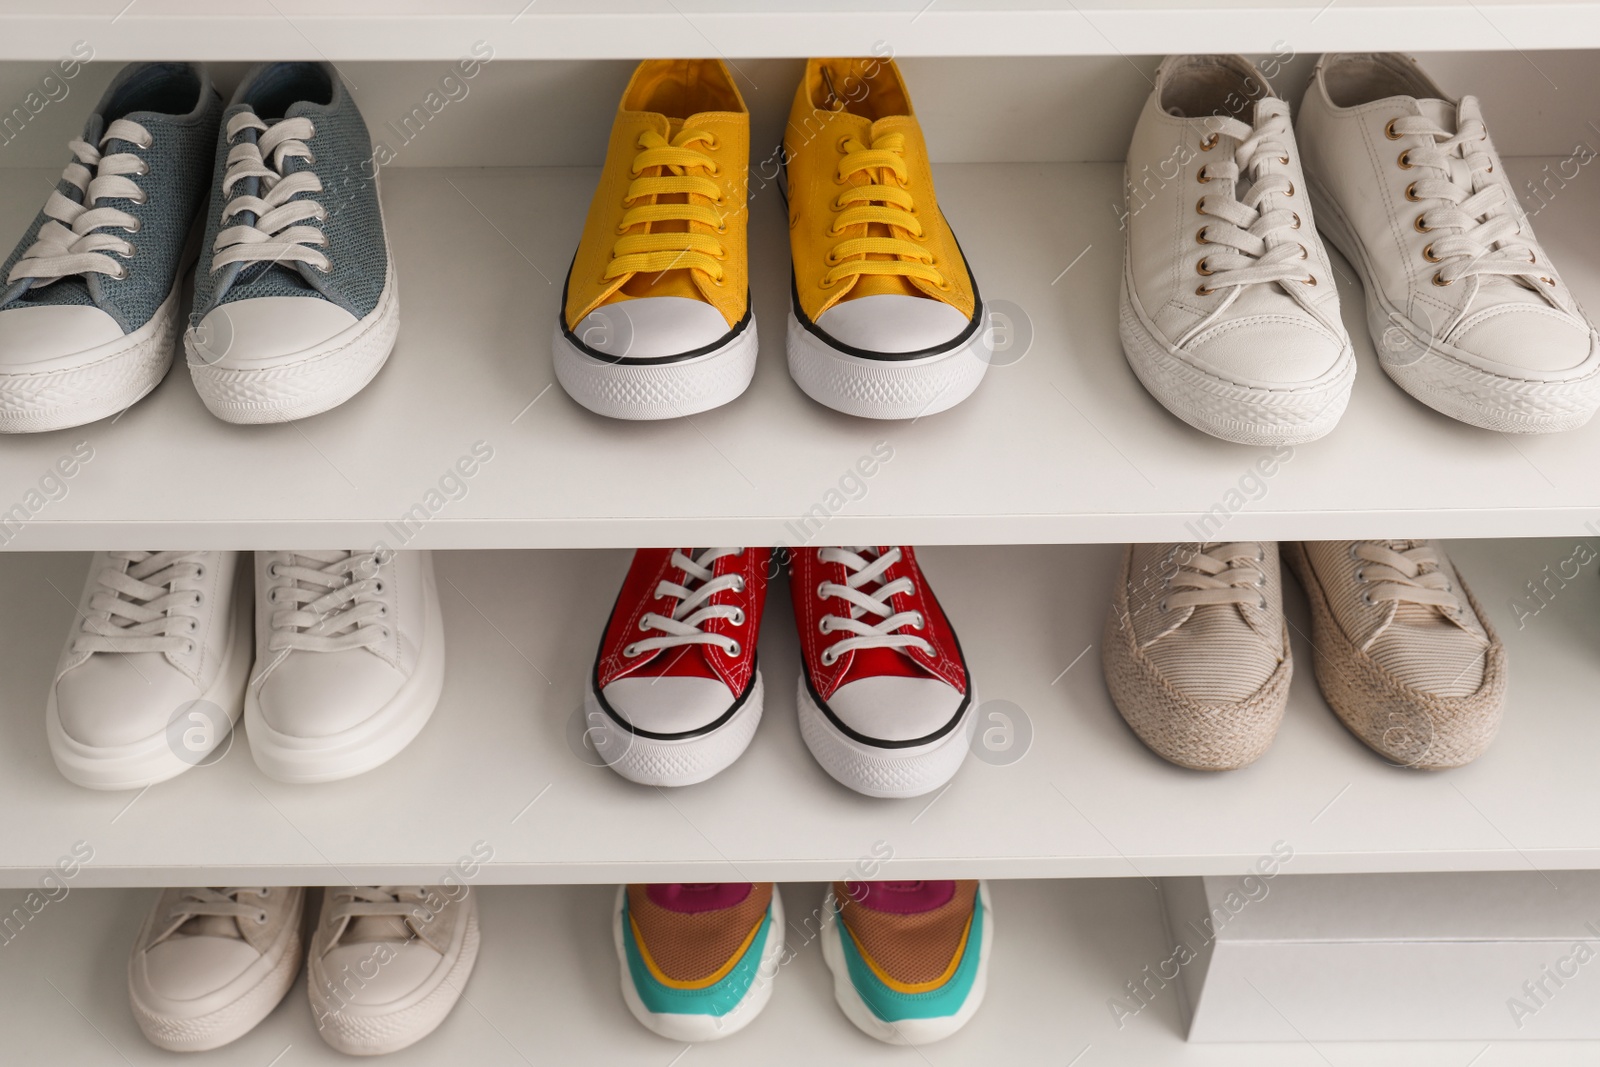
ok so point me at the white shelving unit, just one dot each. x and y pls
(1057, 459)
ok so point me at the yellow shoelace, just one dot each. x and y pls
(681, 171)
(879, 202)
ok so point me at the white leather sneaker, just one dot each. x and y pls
(152, 677)
(349, 661)
(209, 964)
(1229, 313)
(1465, 308)
(387, 963)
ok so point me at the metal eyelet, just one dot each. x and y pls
(121, 273)
(1201, 177)
(1366, 598)
(737, 618)
(1296, 215)
(1388, 130)
(1261, 605)
(1200, 206)
(1204, 291)
(1361, 574)
(1411, 193)
(1161, 605)
(1403, 160)
(1427, 254)
(1202, 269)
(738, 583)
(1284, 160)
(822, 625)
(135, 228)
(630, 651)
(1209, 143)
(1420, 226)
(1303, 253)
(827, 657)
(1438, 279)
(644, 623)
(1200, 237)
(1310, 279)
(731, 649)
(920, 621)
(1291, 190)
(261, 918)
(820, 594)
(131, 250)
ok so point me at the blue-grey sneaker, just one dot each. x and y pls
(89, 298)
(295, 303)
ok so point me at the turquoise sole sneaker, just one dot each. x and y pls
(905, 1016)
(698, 1012)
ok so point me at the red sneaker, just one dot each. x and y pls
(675, 696)
(885, 701)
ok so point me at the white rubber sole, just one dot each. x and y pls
(370, 744)
(229, 1023)
(1480, 394)
(697, 1029)
(884, 772)
(153, 759)
(308, 383)
(367, 1032)
(907, 1031)
(102, 381)
(1244, 412)
(650, 761)
(885, 388)
(643, 391)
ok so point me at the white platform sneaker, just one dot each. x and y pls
(1229, 313)
(349, 660)
(152, 677)
(387, 963)
(209, 964)
(1465, 308)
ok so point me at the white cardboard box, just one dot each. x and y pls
(1503, 955)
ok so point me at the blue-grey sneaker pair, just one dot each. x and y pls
(295, 305)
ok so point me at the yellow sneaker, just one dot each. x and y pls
(886, 322)
(656, 318)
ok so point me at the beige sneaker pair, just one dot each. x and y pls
(1196, 649)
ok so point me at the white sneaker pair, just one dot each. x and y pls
(348, 664)
(1229, 312)
(385, 966)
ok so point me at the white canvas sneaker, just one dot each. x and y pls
(1466, 310)
(1229, 313)
(349, 661)
(209, 964)
(152, 677)
(387, 963)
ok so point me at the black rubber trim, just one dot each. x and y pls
(875, 742)
(648, 361)
(722, 720)
(894, 357)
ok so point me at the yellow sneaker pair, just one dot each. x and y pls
(885, 320)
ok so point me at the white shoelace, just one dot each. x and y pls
(327, 602)
(146, 614)
(868, 595)
(385, 912)
(203, 901)
(1404, 572)
(1482, 235)
(694, 609)
(73, 242)
(271, 230)
(1212, 573)
(1248, 218)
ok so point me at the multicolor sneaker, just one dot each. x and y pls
(910, 960)
(885, 700)
(885, 321)
(89, 298)
(675, 695)
(698, 961)
(295, 302)
(656, 319)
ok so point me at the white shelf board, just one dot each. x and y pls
(545, 990)
(1063, 446)
(577, 29)
(494, 765)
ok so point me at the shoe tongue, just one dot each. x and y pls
(211, 926)
(1442, 113)
(369, 928)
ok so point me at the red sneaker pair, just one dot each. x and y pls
(884, 697)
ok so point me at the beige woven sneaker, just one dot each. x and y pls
(1403, 653)
(1196, 652)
